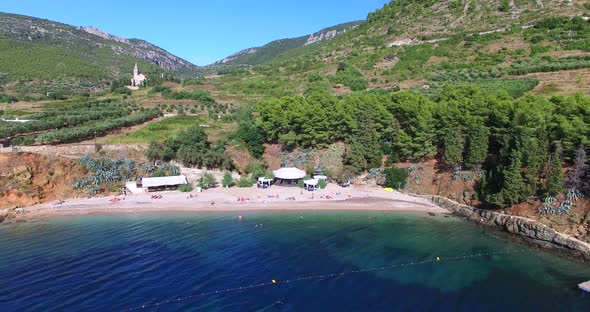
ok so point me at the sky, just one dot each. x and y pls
(200, 31)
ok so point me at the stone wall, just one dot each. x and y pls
(533, 231)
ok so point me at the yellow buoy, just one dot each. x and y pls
(273, 281)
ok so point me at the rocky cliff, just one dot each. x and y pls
(534, 231)
(27, 179)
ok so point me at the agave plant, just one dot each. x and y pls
(573, 194)
(565, 207)
(549, 200)
(94, 190)
(468, 177)
(80, 184)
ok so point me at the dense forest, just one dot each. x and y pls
(518, 146)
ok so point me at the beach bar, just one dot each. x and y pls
(290, 175)
(163, 183)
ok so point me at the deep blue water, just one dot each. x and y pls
(117, 263)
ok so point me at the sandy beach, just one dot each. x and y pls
(275, 198)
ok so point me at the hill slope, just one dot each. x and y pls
(254, 56)
(61, 55)
(410, 43)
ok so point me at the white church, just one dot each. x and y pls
(138, 79)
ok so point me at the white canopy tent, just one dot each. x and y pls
(289, 175)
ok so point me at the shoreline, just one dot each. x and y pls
(288, 199)
(237, 200)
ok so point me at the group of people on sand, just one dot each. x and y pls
(115, 200)
(157, 196)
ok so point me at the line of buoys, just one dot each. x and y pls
(320, 277)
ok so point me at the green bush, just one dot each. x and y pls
(185, 188)
(396, 178)
(322, 184)
(351, 77)
(504, 6)
(244, 182)
(207, 181)
(227, 180)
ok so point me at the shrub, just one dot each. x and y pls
(227, 180)
(245, 182)
(301, 184)
(207, 181)
(185, 188)
(322, 184)
(504, 6)
(351, 77)
(396, 178)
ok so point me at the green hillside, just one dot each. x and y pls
(255, 56)
(39, 56)
(407, 44)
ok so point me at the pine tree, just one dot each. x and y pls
(454, 145)
(477, 146)
(555, 178)
(512, 181)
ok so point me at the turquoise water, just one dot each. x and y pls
(118, 263)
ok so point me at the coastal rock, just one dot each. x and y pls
(3, 214)
(530, 229)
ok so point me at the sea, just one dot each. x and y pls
(278, 261)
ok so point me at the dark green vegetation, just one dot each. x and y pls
(248, 133)
(396, 178)
(76, 122)
(192, 148)
(47, 56)
(511, 140)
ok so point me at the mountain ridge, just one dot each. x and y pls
(257, 55)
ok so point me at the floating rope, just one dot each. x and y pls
(319, 277)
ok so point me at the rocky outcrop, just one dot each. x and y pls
(97, 32)
(323, 36)
(533, 231)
